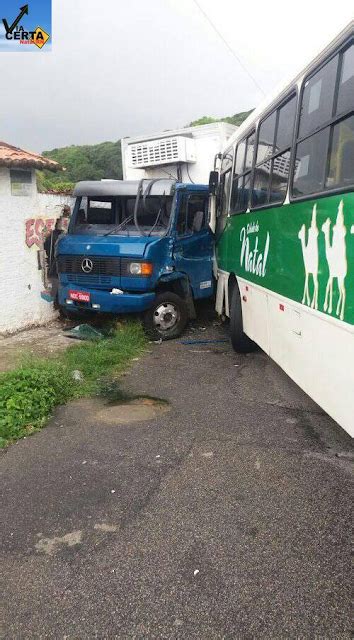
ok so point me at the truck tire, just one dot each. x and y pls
(167, 317)
(239, 340)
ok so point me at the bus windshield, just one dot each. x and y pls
(115, 216)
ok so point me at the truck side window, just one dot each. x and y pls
(193, 214)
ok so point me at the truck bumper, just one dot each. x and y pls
(107, 302)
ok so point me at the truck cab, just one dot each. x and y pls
(138, 247)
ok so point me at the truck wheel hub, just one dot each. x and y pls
(166, 316)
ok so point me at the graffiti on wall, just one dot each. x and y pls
(37, 229)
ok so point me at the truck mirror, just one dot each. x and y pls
(213, 182)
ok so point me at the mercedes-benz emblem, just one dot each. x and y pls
(87, 265)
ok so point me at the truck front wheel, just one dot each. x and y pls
(167, 317)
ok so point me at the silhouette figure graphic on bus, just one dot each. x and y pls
(310, 256)
(337, 262)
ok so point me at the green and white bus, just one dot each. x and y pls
(285, 230)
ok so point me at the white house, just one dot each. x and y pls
(23, 215)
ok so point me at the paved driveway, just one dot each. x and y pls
(227, 516)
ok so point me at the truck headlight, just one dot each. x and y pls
(140, 268)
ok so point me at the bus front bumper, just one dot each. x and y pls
(104, 301)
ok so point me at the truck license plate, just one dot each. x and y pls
(79, 296)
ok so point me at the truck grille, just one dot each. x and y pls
(101, 266)
(101, 274)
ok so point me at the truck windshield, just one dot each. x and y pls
(115, 216)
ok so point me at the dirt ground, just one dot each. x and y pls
(38, 341)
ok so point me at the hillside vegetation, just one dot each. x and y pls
(96, 161)
(236, 119)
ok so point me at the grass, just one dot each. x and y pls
(29, 393)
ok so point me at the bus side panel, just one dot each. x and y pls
(295, 267)
(313, 352)
(309, 348)
(255, 313)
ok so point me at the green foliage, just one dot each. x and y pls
(102, 358)
(236, 119)
(203, 120)
(87, 162)
(48, 184)
(97, 161)
(29, 394)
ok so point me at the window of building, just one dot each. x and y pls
(273, 155)
(324, 156)
(21, 182)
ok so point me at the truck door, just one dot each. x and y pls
(193, 249)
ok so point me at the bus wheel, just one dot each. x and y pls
(239, 340)
(168, 316)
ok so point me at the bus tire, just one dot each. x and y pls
(239, 340)
(167, 317)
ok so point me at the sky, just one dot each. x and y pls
(123, 68)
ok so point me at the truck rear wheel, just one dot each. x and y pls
(239, 340)
(167, 317)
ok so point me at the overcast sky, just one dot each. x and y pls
(125, 67)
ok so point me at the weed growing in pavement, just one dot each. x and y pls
(29, 393)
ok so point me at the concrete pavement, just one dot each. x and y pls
(227, 516)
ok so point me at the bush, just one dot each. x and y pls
(28, 395)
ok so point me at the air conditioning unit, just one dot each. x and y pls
(152, 153)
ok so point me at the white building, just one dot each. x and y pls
(185, 154)
(24, 213)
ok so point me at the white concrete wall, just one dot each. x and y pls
(21, 282)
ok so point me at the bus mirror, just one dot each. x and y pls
(213, 182)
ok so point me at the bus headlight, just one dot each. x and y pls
(140, 268)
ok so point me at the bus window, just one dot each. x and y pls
(285, 127)
(341, 159)
(266, 138)
(225, 181)
(280, 174)
(310, 163)
(226, 167)
(260, 192)
(240, 157)
(317, 98)
(242, 175)
(325, 154)
(273, 155)
(249, 151)
(346, 84)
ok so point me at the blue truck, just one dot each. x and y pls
(137, 246)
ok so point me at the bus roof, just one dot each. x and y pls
(283, 90)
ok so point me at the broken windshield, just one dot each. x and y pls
(115, 216)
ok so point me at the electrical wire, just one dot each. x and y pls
(230, 49)
(192, 181)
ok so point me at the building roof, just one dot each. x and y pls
(11, 156)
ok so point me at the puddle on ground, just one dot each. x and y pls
(107, 413)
